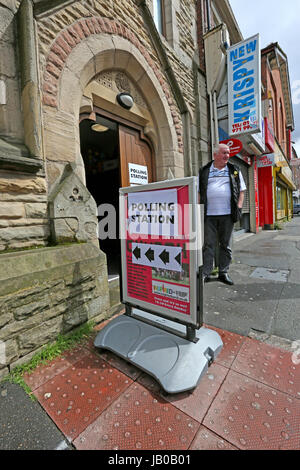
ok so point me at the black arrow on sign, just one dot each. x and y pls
(150, 254)
(137, 252)
(178, 258)
(164, 256)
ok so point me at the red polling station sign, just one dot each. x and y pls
(235, 146)
(158, 262)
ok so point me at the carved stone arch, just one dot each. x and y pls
(101, 55)
(75, 66)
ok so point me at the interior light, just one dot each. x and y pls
(99, 128)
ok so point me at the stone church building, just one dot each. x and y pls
(87, 88)
(63, 65)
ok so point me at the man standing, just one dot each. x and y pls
(221, 188)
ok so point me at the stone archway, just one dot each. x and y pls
(79, 53)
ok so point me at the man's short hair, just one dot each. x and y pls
(216, 148)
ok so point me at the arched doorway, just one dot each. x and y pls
(110, 147)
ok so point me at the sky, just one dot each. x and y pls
(276, 21)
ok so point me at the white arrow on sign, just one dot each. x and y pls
(157, 256)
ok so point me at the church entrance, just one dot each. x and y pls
(111, 150)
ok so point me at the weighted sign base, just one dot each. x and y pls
(176, 363)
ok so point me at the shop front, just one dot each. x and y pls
(265, 190)
(283, 187)
(244, 223)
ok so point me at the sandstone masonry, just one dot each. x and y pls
(47, 292)
(55, 58)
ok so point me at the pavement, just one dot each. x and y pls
(266, 296)
(249, 398)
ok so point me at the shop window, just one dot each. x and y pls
(289, 200)
(279, 197)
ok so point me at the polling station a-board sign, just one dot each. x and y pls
(161, 249)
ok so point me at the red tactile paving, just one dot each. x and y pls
(44, 372)
(251, 415)
(195, 403)
(232, 343)
(269, 365)
(76, 354)
(248, 399)
(80, 393)
(207, 440)
(139, 419)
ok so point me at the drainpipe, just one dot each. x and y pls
(208, 14)
(197, 156)
(216, 116)
(213, 94)
(212, 127)
(185, 115)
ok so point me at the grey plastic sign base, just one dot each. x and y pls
(176, 363)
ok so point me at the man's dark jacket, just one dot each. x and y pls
(234, 174)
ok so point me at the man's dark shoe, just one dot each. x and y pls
(207, 278)
(226, 279)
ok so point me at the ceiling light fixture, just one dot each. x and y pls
(125, 100)
(99, 128)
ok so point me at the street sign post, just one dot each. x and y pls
(161, 285)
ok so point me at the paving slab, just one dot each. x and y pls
(207, 440)
(232, 343)
(137, 420)
(76, 396)
(269, 365)
(271, 274)
(196, 402)
(251, 415)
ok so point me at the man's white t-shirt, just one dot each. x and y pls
(219, 192)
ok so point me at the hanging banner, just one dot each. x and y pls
(160, 246)
(244, 87)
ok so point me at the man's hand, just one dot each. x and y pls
(241, 199)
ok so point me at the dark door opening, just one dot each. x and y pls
(101, 156)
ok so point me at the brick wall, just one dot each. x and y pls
(271, 80)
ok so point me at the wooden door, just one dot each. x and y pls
(134, 149)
